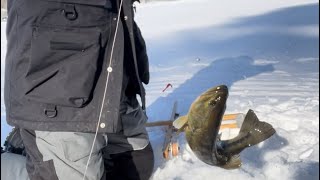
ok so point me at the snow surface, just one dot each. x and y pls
(266, 52)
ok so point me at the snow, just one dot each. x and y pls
(266, 52)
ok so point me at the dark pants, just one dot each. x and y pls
(131, 165)
(134, 165)
(51, 156)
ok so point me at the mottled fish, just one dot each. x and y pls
(202, 124)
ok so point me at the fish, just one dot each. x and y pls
(202, 123)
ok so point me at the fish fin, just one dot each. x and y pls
(233, 163)
(251, 133)
(259, 130)
(180, 122)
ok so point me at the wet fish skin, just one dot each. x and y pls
(202, 124)
(204, 120)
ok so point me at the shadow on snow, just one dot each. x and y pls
(237, 52)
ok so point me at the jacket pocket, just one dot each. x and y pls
(63, 65)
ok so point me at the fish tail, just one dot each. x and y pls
(251, 133)
(258, 130)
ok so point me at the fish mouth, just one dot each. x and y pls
(218, 94)
(218, 89)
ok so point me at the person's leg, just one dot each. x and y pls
(62, 155)
(13, 167)
(130, 165)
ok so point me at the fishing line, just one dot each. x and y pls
(105, 91)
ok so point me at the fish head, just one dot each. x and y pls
(208, 108)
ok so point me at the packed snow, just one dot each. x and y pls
(266, 52)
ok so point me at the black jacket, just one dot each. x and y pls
(58, 54)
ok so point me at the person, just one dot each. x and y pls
(74, 90)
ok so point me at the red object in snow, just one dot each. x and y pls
(168, 85)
